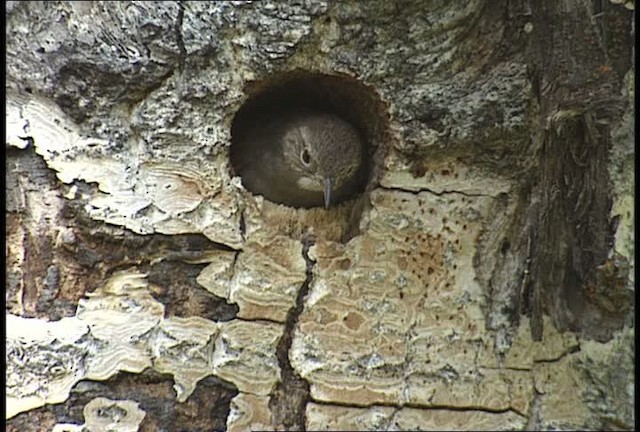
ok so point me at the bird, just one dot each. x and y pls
(298, 157)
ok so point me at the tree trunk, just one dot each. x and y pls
(482, 279)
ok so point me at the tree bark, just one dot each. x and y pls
(483, 279)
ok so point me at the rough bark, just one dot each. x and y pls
(482, 280)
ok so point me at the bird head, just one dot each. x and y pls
(325, 152)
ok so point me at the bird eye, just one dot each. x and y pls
(305, 157)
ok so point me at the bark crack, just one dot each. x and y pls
(534, 417)
(243, 225)
(178, 29)
(420, 406)
(441, 193)
(290, 398)
(564, 354)
(260, 321)
(568, 352)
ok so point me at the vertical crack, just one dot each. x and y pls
(243, 225)
(179, 41)
(533, 423)
(290, 397)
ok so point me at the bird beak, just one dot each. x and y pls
(327, 192)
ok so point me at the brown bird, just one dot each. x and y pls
(300, 159)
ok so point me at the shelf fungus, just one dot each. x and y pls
(146, 193)
(102, 414)
(121, 327)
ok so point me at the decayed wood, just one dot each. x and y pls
(483, 280)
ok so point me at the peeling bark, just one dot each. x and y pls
(483, 280)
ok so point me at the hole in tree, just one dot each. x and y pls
(338, 96)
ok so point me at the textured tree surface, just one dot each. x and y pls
(483, 280)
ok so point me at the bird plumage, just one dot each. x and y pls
(290, 157)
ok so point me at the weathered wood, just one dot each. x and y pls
(483, 280)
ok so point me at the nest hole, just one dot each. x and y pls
(341, 95)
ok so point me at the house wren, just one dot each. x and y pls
(301, 159)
